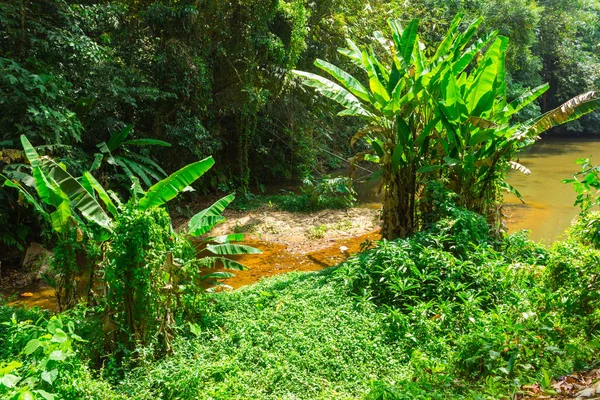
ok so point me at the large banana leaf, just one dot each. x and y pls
(32, 155)
(524, 99)
(232, 249)
(569, 111)
(350, 82)
(174, 184)
(118, 138)
(206, 219)
(79, 197)
(334, 92)
(92, 182)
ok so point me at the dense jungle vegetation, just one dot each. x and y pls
(111, 111)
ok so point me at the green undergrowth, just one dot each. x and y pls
(315, 195)
(446, 314)
(291, 202)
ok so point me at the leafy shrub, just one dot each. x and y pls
(137, 272)
(586, 184)
(41, 361)
(518, 248)
(330, 192)
(573, 276)
(459, 229)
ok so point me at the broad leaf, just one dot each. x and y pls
(79, 197)
(91, 181)
(569, 111)
(349, 82)
(170, 187)
(334, 92)
(232, 249)
(117, 138)
(147, 142)
(30, 152)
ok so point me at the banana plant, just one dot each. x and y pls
(220, 246)
(118, 153)
(59, 190)
(445, 116)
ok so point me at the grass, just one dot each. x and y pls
(291, 336)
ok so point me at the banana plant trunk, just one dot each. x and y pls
(398, 202)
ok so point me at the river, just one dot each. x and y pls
(549, 209)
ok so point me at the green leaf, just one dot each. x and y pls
(79, 197)
(31, 346)
(376, 84)
(349, 82)
(377, 147)
(98, 158)
(218, 275)
(57, 355)
(200, 224)
(486, 74)
(11, 366)
(30, 152)
(59, 336)
(408, 40)
(466, 58)
(234, 237)
(448, 40)
(425, 169)
(195, 329)
(524, 99)
(9, 380)
(45, 395)
(117, 138)
(334, 92)
(26, 395)
(147, 142)
(232, 249)
(50, 376)
(133, 166)
(174, 184)
(110, 206)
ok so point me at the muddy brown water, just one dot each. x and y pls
(547, 213)
(549, 208)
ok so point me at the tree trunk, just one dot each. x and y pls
(398, 203)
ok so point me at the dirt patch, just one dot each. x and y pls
(298, 241)
(301, 232)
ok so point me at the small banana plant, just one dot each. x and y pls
(118, 152)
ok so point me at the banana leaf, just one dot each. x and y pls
(170, 187)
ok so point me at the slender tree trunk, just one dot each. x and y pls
(398, 203)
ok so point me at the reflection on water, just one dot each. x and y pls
(549, 208)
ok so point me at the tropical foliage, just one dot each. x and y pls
(442, 117)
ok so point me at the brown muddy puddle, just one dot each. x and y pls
(276, 258)
(36, 295)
